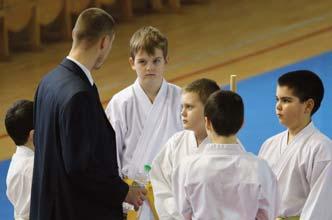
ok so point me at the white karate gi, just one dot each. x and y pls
(19, 180)
(304, 172)
(177, 147)
(225, 182)
(142, 127)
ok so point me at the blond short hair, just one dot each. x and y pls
(203, 88)
(148, 39)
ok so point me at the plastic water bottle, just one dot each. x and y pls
(147, 169)
(143, 178)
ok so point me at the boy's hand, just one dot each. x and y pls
(136, 196)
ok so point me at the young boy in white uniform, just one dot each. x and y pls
(19, 127)
(189, 141)
(224, 181)
(301, 156)
(147, 113)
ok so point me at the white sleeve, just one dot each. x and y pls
(179, 187)
(114, 113)
(269, 198)
(318, 203)
(161, 179)
(23, 191)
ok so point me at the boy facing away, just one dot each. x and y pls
(189, 141)
(301, 156)
(19, 127)
(147, 113)
(225, 182)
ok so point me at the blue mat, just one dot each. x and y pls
(6, 209)
(260, 121)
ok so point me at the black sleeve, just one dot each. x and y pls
(84, 156)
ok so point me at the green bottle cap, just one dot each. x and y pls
(147, 168)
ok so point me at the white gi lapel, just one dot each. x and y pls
(151, 126)
(292, 147)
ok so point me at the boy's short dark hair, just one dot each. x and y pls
(19, 121)
(305, 85)
(92, 24)
(148, 39)
(203, 88)
(225, 110)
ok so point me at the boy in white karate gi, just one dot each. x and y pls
(224, 181)
(147, 113)
(189, 141)
(301, 156)
(19, 127)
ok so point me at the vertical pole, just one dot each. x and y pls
(233, 83)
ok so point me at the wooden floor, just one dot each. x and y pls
(213, 40)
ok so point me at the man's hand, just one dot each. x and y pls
(136, 196)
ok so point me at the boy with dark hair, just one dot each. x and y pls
(225, 182)
(19, 127)
(189, 141)
(147, 113)
(300, 156)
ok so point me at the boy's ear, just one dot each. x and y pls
(208, 124)
(166, 59)
(309, 105)
(105, 41)
(31, 133)
(132, 62)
